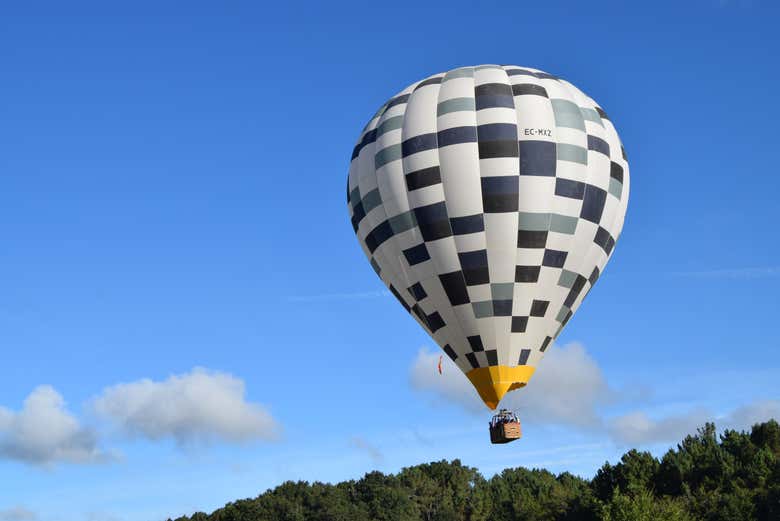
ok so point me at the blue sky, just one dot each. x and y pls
(172, 198)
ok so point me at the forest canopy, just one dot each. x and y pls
(727, 477)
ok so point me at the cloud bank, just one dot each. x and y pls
(569, 391)
(44, 432)
(199, 406)
(195, 407)
(452, 384)
(18, 513)
(637, 428)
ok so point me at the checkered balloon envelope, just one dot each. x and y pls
(488, 199)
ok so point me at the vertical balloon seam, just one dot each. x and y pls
(597, 258)
(393, 279)
(489, 321)
(620, 213)
(458, 335)
(491, 228)
(576, 263)
(552, 87)
(368, 149)
(512, 355)
(448, 333)
(511, 361)
(402, 197)
(448, 172)
(591, 169)
(619, 216)
(390, 251)
(411, 107)
(460, 345)
(393, 249)
(559, 93)
(555, 95)
(622, 160)
(600, 254)
(540, 121)
(480, 323)
(508, 333)
(519, 292)
(386, 274)
(593, 246)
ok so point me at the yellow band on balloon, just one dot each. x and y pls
(493, 382)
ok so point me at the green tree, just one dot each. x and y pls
(644, 506)
(636, 471)
(731, 477)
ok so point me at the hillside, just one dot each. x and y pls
(728, 477)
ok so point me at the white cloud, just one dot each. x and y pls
(568, 388)
(748, 415)
(199, 406)
(43, 432)
(638, 428)
(452, 384)
(102, 516)
(18, 513)
(374, 453)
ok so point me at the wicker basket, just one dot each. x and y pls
(505, 432)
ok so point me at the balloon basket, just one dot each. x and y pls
(505, 427)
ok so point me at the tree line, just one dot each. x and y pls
(728, 477)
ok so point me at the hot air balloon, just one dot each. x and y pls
(488, 199)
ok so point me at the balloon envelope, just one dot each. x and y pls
(489, 199)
